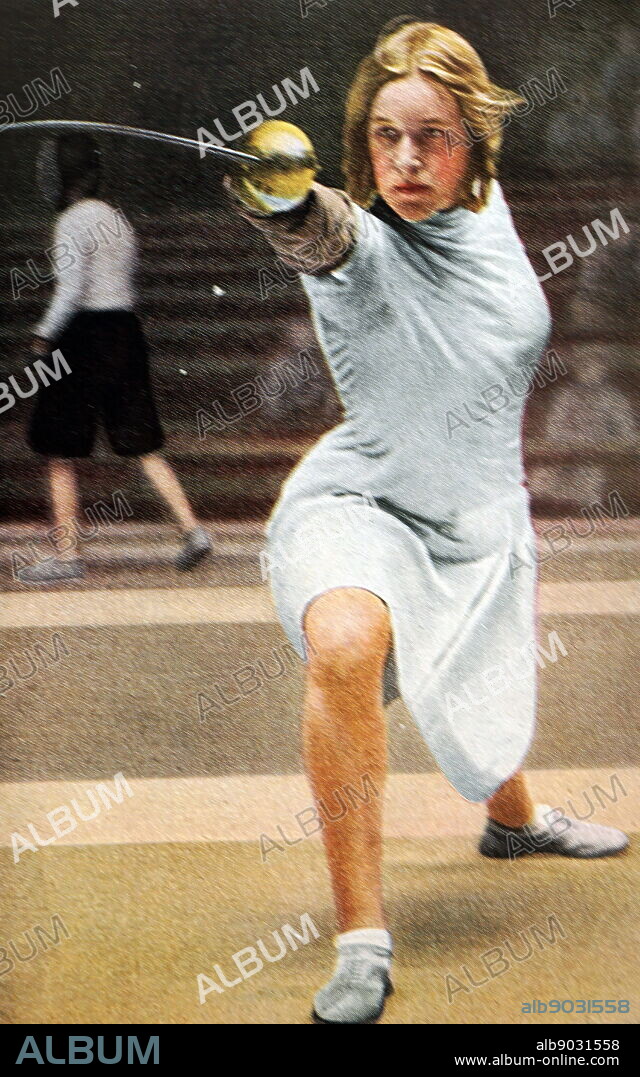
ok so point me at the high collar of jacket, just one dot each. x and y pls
(443, 227)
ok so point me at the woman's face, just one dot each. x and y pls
(415, 133)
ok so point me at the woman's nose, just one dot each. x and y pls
(407, 154)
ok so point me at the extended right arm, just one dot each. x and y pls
(313, 237)
(311, 227)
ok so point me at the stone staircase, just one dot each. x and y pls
(211, 331)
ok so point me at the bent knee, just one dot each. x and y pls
(348, 631)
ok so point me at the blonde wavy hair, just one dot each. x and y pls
(446, 56)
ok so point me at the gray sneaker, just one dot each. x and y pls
(196, 545)
(557, 833)
(357, 993)
(53, 571)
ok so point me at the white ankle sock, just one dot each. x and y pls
(540, 811)
(365, 936)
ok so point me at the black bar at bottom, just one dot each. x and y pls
(457, 1048)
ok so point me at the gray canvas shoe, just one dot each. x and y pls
(356, 994)
(196, 545)
(552, 832)
(53, 571)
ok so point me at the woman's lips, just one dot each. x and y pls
(411, 188)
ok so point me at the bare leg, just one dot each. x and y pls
(345, 739)
(512, 804)
(166, 482)
(65, 503)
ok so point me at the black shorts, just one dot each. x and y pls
(109, 384)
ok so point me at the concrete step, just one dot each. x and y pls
(611, 553)
(175, 284)
(200, 681)
(240, 473)
(179, 331)
(565, 552)
(526, 198)
(180, 266)
(224, 476)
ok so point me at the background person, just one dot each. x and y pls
(92, 321)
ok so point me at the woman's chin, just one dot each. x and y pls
(411, 209)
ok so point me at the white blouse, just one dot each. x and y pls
(94, 260)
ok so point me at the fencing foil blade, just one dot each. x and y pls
(132, 132)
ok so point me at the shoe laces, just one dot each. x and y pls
(359, 967)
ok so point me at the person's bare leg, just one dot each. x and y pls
(166, 482)
(65, 504)
(512, 804)
(348, 631)
(65, 564)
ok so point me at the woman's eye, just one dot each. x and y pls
(434, 132)
(387, 133)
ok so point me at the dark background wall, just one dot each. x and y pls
(196, 59)
(176, 66)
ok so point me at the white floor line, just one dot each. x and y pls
(153, 606)
(241, 605)
(242, 808)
